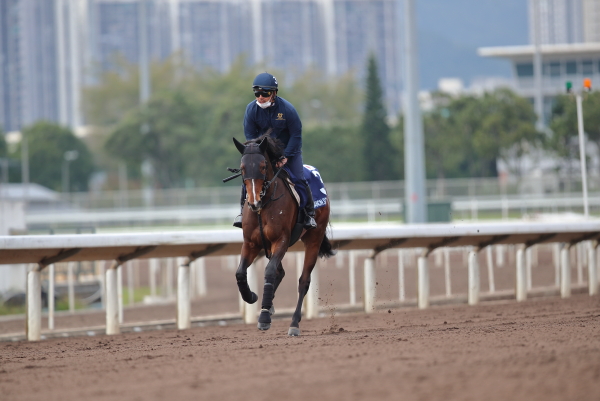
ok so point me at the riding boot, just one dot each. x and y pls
(309, 209)
(237, 222)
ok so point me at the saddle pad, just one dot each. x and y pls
(315, 182)
(317, 187)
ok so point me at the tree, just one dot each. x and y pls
(160, 133)
(193, 114)
(379, 159)
(322, 101)
(466, 136)
(564, 139)
(334, 152)
(47, 144)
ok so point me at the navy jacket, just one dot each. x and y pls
(284, 120)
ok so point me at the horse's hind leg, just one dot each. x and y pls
(303, 285)
(241, 275)
(310, 259)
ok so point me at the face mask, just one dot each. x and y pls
(263, 105)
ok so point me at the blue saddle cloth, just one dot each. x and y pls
(312, 175)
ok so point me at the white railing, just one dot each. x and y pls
(189, 246)
(369, 210)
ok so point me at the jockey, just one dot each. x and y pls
(270, 111)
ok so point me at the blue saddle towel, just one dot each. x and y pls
(317, 187)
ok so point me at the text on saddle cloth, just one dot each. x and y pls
(312, 175)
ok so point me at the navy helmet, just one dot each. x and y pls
(265, 81)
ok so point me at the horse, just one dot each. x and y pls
(268, 217)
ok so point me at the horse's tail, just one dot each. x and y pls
(326, 250)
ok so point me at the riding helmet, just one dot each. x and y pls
(266, 81)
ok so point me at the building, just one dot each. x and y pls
(561, 63)
(569, 40)
(50, 49)
(335, 36)
(42, 57)
(565, 21)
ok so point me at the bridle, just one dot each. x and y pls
(254, 156)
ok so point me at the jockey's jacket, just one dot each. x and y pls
(282, 117)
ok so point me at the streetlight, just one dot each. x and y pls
(69, 156)
(587, 87)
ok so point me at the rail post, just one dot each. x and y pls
(370, 284)
(423, 280)
(184, 316)
(474, 281)
(565, 272)
(34, 305)
(521, 275)
(51, 297)
(592, 269)
(112, 300)
(200, 265)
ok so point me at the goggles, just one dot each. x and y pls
(263, 93)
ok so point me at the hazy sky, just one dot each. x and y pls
(450, 31)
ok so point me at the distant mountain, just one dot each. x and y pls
(450, 31)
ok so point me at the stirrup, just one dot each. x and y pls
(309, 222)
(237, 222)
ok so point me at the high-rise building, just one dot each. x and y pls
(43, 53)
(10, 95)
(49, 47)
(335, 36)
(566, 21)
(591, 20)
(29, 59)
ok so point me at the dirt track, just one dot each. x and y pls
(543, 349)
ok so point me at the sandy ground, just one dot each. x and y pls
(542, 349)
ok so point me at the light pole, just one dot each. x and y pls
(414, 153)
(587, 86)
(69, 156)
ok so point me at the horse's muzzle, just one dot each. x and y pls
(257, 207)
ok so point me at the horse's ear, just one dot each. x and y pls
(240, 146)
(263, 145)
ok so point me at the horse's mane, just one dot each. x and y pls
(274, 146)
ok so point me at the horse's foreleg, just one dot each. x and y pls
(272, 279)
(241, 275)
(279, 275)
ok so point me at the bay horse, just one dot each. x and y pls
(268, 217)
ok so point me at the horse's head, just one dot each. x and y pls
(255, 169)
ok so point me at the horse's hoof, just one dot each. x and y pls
(264, 320)
(254, 299)
(272, 310)
(263, 326)
(294, 332)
